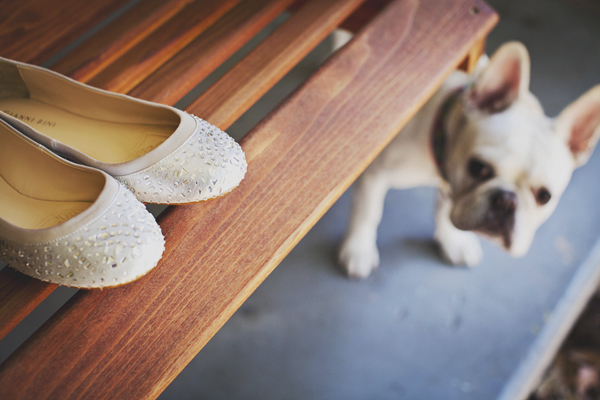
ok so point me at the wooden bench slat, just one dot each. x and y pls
(19, 295)
(203, 55)
(121, 74)
(116, 38)
(364, 14)
(30, 291)
(33, 30)
(244, 84)
(130, 342)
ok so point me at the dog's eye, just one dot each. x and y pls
(543, 196)
(480, 170)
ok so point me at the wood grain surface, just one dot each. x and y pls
(123, 73)
(117, 38)
(203, 55)
(367, 11)
(29, 291)
(19, 295)
(33, 30)
(233, 94)
(130, 342)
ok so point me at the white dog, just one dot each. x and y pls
(500, 163)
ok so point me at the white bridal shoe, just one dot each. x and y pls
(70, 224)
(163, 155)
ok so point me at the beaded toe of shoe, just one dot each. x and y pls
(119, 246)
(209, 164)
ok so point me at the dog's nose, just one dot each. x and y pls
(500, 218)
(503, 203)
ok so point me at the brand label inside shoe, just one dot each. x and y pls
(30, 119)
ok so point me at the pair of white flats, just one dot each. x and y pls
(82, 223)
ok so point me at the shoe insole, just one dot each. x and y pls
(106, 141)
(30, 213)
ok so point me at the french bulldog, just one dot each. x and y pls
(500, 164)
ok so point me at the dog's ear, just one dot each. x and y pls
(579, 125)
(503, 80)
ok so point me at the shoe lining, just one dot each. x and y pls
(30, 213)
(106, 141)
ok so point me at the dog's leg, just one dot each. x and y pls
(359, 255)
(458, 247)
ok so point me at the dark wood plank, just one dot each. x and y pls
(231, 26)
(124, 70)
(244, 84)
(19, 295)
(364, 15)
(202, 56)
(116, 38)
(130, 342)
(33, 30)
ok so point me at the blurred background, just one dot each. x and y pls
(417, 328)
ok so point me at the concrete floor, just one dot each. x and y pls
(417, 328)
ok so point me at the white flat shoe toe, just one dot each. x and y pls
(70, 224)
(163, 155)
(207, 165)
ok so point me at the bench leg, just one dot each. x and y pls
(470, 61)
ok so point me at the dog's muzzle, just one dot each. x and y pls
(499, 219)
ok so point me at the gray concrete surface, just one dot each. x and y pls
(417, 328)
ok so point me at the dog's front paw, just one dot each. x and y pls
(461, 248)
(358, 260)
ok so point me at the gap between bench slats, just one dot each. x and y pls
(130, 342)
(318, 19)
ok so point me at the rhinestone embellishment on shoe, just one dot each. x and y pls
(208, 164)
(119, 246)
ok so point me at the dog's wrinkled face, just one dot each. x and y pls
(508, 164)
(507, 173)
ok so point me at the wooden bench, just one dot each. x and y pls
(131, 342)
